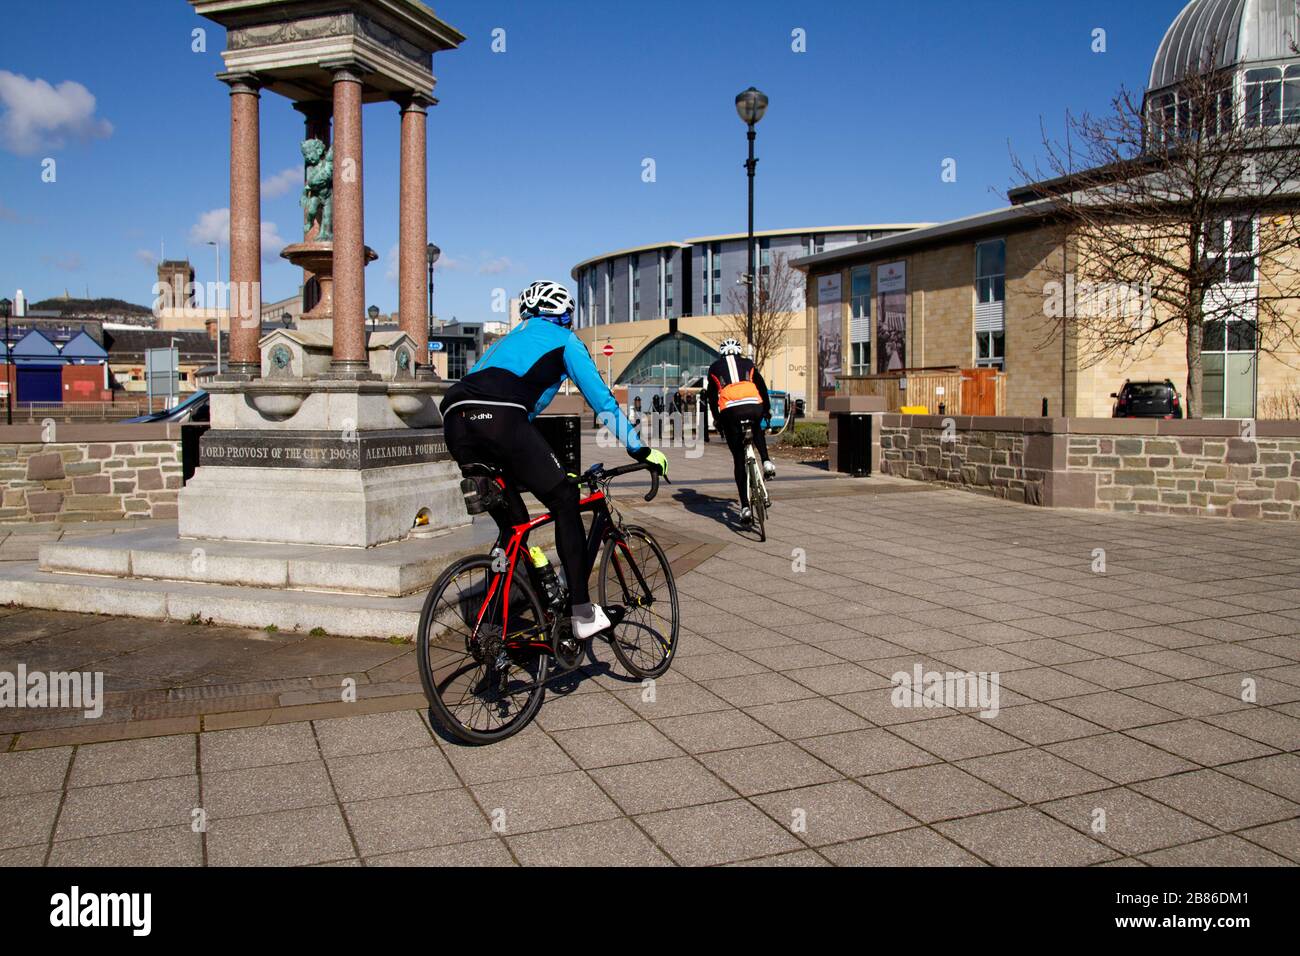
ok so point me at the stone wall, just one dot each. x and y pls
(1213, 468)
(89, 472)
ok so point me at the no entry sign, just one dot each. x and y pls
(608, 350)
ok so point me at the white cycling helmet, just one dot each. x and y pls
(548, 299)
(729, 347)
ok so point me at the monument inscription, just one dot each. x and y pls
(287, 449)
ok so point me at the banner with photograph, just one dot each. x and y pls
(830, 336)
(891, 322)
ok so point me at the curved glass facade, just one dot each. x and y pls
(697, 277)
(675, 359)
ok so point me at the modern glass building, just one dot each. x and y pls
(663, 306)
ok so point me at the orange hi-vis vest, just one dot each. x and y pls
(739, 391)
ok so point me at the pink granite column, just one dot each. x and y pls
(413, 229)
(245, 296)
(349, 359)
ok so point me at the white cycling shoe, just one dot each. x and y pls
(589, 620)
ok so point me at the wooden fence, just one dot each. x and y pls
(969, 391)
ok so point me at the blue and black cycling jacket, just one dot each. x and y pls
(526, 368)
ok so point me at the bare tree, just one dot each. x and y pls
(1181, 217)
(776, 297)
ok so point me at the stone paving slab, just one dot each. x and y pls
(1122, 736)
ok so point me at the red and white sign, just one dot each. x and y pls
(608, 350)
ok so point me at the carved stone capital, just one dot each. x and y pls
(413, 102)
(242, 82)
(351, 70)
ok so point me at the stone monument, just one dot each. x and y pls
(322, 434)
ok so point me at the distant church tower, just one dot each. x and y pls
(177, 274)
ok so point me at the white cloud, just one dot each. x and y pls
(147, 256)
(495, 266)
(445, 263)
(272, 242)
(285, 181)
(391, 267)
(38, 116)
(214, 226)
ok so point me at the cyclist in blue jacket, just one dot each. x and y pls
(487, 419)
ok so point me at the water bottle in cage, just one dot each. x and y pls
(554, 590)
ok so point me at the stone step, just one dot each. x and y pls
(393, 570)
(347, 615)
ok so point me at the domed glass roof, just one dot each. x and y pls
(1225, 34)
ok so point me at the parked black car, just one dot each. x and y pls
(1147, 400)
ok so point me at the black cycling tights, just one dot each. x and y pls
(503, 436)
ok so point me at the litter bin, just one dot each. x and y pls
(853, 431)
(564, 434)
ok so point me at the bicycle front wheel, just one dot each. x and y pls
(484, 680)
(636, 577)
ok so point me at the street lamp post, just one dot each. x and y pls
(373, 312)
(432, 253)
(6, 307)
(751, 105)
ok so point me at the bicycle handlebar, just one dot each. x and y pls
(606, 475)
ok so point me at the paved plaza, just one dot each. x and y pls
(1149, 713)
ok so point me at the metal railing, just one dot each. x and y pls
(36, 412)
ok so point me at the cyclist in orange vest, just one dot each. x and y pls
(736, 392)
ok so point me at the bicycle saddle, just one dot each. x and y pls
(480, 470)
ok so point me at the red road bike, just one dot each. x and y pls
(488, 633)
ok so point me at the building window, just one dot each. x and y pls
(860, 321)
(634, 272)
(1264, 97)
(990, 349)
(668, 284)
(1228, 366)
(1230, 250)
(991, 271)
(715, 260)
(609, 290)
(1291, 96)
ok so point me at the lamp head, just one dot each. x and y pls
(751, 105)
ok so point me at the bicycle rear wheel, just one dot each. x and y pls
(483, 684)
(635, 575)
(757, 497)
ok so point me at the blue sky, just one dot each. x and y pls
(536, 154)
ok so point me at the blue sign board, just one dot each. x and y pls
(436, 346)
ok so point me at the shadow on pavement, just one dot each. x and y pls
(721, 510)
